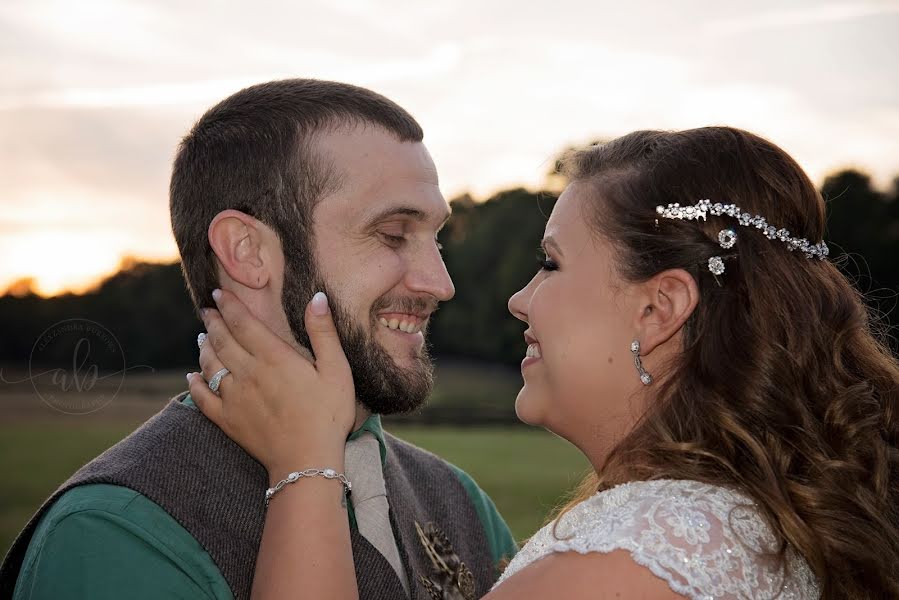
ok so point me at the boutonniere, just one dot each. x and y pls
(449, 578)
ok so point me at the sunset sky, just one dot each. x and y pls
(95, 95)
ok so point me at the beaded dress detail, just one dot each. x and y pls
(707, 542)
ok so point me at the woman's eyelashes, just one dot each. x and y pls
(545, 262)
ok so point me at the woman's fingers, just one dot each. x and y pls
(227, 349)
(253, 335)
(330, 359)
(210, 365)
(206, 401)
(209, 361)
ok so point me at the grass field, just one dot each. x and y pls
(524, 471)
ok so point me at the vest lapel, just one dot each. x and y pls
(374, 575)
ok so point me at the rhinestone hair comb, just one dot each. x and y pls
(728, 237)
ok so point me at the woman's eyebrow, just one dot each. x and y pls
(550, 241)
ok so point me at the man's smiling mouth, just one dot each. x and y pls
(402, 322)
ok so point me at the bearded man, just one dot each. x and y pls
(281, 190)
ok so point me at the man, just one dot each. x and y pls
(283, 189)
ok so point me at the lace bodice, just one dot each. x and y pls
(705, 541)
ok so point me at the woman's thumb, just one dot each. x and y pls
(323, 334)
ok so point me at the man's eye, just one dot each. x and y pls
(394, 240)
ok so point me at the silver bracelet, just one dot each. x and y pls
(297, 475)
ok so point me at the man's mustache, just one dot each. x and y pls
(422, 306)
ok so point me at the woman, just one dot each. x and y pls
(687, 334)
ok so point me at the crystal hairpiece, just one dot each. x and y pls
(728, 237)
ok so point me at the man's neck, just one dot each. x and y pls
(362, 415)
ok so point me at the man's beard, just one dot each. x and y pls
(381, 386)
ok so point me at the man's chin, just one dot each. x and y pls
(404, 348)
(392, 375)
(405, 387)
(411, 367)
(408, 364)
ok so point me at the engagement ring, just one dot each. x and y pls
(216, 380)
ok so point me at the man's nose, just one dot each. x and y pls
(428, 275)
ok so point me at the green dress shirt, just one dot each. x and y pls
(103, 541)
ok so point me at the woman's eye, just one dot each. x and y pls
(546, 263)
(549, 265)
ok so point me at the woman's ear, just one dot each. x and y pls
(667, 301)
(238, 241)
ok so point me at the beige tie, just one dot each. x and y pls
(369, 498)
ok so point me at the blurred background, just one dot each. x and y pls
(95, 96)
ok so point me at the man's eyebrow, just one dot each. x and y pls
(550, 241)
(415, 214)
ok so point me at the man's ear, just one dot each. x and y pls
(239, 242)
(667, 301)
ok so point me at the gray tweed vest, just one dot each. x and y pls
(184, 463)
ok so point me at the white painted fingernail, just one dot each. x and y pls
(319, 304)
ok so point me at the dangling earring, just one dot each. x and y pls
(645, 377)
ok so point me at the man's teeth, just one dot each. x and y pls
(533, 351)
(404, 326)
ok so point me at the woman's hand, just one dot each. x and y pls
(285, 411)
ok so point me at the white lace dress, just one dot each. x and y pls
(705, 541)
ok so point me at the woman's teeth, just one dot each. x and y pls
(404, 326)
(533, 351)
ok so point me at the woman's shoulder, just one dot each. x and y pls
(702, 539)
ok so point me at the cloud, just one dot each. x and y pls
(110, 151)
(97, 94)
(810, 15)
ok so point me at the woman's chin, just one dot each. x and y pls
(528, 409)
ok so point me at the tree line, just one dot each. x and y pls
(490, 250)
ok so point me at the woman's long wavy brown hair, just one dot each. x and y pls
(783, 389)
